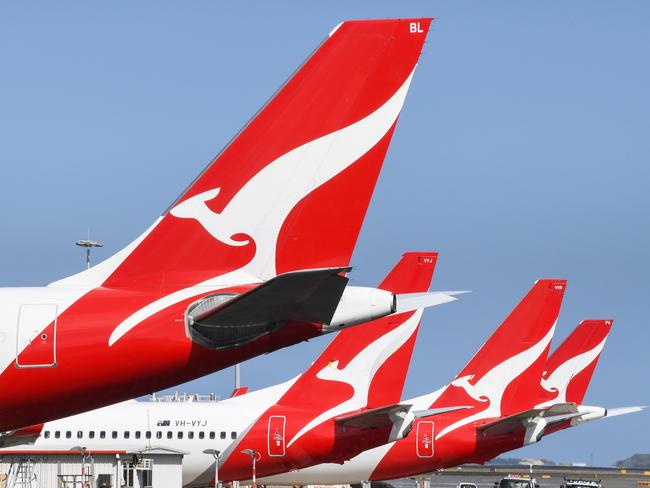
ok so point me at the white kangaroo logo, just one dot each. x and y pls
(195, 208)
(492, 385)
(558, 381)
(360, 371)
(261, 206)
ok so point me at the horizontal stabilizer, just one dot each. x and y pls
(615, 412)
(374, 418)
(408, 302)
(418, 414)
(227, 320)
(559, 409)
(398, 417)
(25, 436)
(535, 421)
(362, 304)
(513, 423)
(554, 419)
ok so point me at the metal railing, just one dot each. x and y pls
(184, 397)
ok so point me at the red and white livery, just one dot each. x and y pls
(502, 384)
(346, 402)
(504, 398)
(250, 258)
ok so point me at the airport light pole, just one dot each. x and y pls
(255, 456)
(215, 453)
(88, 244)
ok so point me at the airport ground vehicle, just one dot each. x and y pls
(512, 481)
(579, 483)
(466, 484)
(252, 257)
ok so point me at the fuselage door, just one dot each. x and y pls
(276, 429)
(36, 336)
(424, 439)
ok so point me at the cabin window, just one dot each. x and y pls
(114, 434)
(137, 434)
(102, 434)
(80, 434)
(180, 434)
(222, 435)
(233, 435)
(127, 434)
(158, 435)
(147, 434)
(91, 434)
(68, 434)
(57, 434)
(211, 435)
(46, 434)
(201, 435)
(170, 434)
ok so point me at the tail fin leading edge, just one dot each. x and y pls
(290, 191)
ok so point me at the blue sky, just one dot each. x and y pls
(522, 152)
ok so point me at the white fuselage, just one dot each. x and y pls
(183, 425)
(193, 427)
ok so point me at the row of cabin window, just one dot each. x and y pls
(138, 434)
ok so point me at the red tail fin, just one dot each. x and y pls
(349, 375)
(504, 374)
(571, 366)
(531, 323)
(242, 390)
(411, 275)
(371, 357)
(291, 190)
